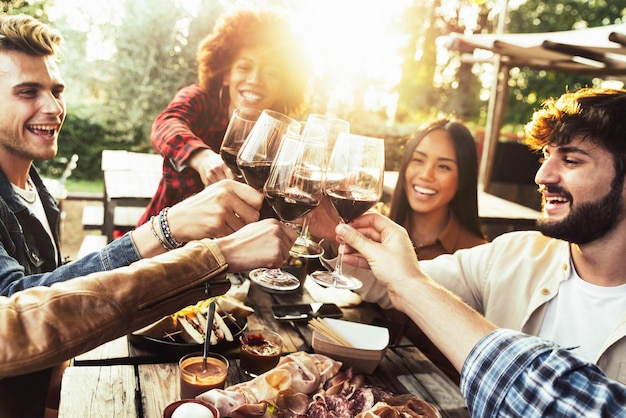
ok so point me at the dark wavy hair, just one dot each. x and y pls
(28, 35)
(464, 204)
(597, 114)
(251, 28)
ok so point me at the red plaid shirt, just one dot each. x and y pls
(193, 120)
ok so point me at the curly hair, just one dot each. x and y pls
(26, 34)
(596, 114)
(251, 28)
(464, 204)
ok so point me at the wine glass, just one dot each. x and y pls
(239, 126)
(304, 246)
(353, 184)
(294, 187)
(259, 149)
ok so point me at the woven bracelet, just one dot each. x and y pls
(165, 228)
(156, 235)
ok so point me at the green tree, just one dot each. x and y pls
(146, 67)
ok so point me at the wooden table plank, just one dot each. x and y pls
(162, 379)
(98, 392)
(113, 349)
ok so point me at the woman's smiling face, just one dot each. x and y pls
(254, 79)
(432, 175)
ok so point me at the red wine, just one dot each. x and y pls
(256, 173)
(351, 204)
(291, 206)
(229, 155)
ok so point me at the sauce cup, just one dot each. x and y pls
(194, 380)
(260, 351)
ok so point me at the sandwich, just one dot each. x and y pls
(192, 321)
(189, 324)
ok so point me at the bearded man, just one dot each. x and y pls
(566, 281)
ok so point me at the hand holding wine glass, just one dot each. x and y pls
(353, 184)
(239, 127)
(294, 188)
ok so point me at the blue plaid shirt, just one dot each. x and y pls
(510, 374)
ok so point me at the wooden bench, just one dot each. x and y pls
(124, 217)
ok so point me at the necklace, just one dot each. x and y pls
(28, 196)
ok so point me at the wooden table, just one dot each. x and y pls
(493, 210)
(130, 181)
(117, 380)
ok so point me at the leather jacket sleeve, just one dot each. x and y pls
(44, 326)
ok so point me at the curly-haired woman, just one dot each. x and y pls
(253, 58)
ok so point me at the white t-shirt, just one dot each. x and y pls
(582, 315)
(31, 200)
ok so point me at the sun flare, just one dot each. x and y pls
(354, 44)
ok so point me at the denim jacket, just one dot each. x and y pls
(27, 257)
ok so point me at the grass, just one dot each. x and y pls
(84, 186)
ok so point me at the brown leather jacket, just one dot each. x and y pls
(44, 326)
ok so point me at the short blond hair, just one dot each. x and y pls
(26, 34)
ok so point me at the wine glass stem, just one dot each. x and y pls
(339, 266)
(304, 231)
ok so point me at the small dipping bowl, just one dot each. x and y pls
(260, 351)
(194, 381)
(190, 408)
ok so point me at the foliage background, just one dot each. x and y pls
(113, 99)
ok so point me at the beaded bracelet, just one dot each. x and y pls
(165, 229)
(156, 235)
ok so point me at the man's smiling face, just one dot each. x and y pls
(581, 202)
(32, 108)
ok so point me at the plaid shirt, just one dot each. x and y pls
(193, 120)
(510, 374)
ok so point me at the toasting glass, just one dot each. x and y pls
(353, 184)
(294, 188)
(259, 149)
(240, 125)
(316, 128)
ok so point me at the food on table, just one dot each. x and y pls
(197, 378)
(230, 305)
(311, 385)
(192, 410)
(190, 322)
(260, 351)
(403, 406)
(298, 372)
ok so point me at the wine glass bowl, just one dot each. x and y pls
(353, 184)
(333, 125)
(241, 123)
(259, 149)
(294, 186)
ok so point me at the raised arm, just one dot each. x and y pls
(385, 246)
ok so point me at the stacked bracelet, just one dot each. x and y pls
(156, 234)
(167, 233)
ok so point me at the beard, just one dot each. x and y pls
(588, 221)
